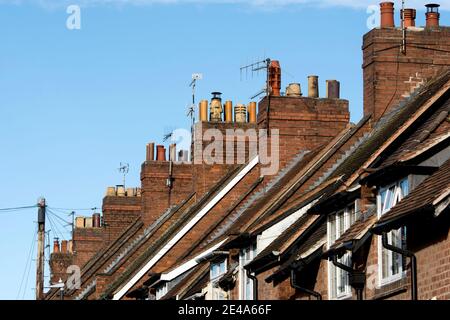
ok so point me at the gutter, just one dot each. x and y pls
(408, 254)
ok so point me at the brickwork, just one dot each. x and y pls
(303, 123)
(389, 75)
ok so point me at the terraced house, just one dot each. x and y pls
(354, 211)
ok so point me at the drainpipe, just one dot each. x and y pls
(408, 254)
(357, 279)
(305, 290)
(255, 284)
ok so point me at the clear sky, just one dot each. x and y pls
(76, 103)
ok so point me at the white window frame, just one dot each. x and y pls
(161, 290)
(335, 272)
(246, 255)
(383, 206)
(220, 263)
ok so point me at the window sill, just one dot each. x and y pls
(391, 289)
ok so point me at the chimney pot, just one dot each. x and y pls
(64, 246)
(56, 248)
(151, 151)
(111, 192)
(252, 112)
(409, 16)
(216, 108)
(96, 220)
(313, 86)
(228, 111)
(203, 110)
(387, 14)
(333, 89)
(275, 78)
(173, 152)
(240, 113)
(120, 191)
(294, 90)
(432, 15)
(160, 153)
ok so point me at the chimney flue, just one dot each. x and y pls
(203, 110)
(252, 112)
(313, 86)
(228, 111)
(150, 151)
(64, 246)
(275, 78)
(173, 152)
(409, 16)
(56, 246)
(333, 89)
(387, 15)
(240, 113)
(160, 153)
(216, 108)
(432, 15)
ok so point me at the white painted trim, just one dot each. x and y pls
(189, 264)
(118, 295)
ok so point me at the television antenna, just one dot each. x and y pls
(256, 68)
(124, 169)
(193, 84)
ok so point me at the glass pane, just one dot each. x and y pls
(341, 221)
(332, 220)
(404, 186)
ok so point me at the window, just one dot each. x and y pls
(338, 223)
(162, 290)
(246, 284)
(391, 263)
(217, 269)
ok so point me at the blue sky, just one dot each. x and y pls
(76, 103)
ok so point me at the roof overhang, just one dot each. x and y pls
(394, 172)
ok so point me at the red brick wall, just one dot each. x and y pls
(303, 123)
(118, 214)
(59, 262)
(156, 195)
(87, 242)
(389, 74)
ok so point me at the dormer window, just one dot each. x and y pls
(217, 269)
(338, 223)
(391, 266)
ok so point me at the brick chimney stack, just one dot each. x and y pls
(390, 75)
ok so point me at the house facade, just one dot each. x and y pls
(353, 211)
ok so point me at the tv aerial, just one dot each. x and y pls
(193, 84)
(124, 169)
(256, 68)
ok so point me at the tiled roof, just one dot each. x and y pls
(152, 248)
(190, 280)
(421, 199)
(358, 230)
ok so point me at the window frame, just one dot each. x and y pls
(219, 263)
(161, 291)
(349, 215)
(245, 283)
(383, 207)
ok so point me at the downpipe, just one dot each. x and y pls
(305, 290)
(255, 284)
(408, 254)
(357, 279)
